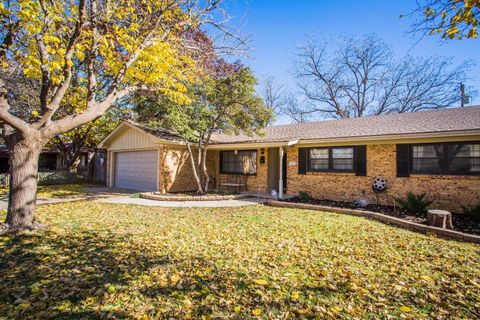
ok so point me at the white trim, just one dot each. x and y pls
(246, 145)
(397, 137)
(460, 135)
(281, 154)
(293, 142)
(111, 156)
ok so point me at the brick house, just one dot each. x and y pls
(433, 152)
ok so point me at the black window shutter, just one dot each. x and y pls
(360, 156)
(403, 160)
(302, 160)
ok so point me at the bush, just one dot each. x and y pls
(473, 213)
(304, 196)
(414, 203)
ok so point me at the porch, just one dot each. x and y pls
(260, 172)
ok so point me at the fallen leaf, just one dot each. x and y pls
(405, 309)
(257, 311)
(261, 282)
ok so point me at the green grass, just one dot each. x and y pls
(106, 261)
(56, 191)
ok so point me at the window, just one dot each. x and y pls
(240, 162)
(319, 159)
(342, 159)
(331, 159)
(446, 158)
(427, 158)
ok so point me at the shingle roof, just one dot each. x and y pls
(453, 119)
(161, 133)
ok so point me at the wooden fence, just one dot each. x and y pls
(56, 177)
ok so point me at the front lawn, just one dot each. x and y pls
(56, 191)
(101, 260)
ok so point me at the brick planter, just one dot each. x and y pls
(383, 218)
(208, 197)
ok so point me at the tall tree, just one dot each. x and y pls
(361, 77)
(225, 101)
(274, 95)
(450, 19)
(107, 49)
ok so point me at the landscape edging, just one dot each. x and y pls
(382, 218)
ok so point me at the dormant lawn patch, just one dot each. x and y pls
(99, 260)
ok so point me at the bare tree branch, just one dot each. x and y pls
(362, 77)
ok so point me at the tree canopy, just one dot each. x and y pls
(357, 77)
(450, 19)
(81, 58)
(225, 101)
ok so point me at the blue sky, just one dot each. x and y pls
(278, 27)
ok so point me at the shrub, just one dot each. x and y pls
(304, 196)
(472, 213)
(414, 203)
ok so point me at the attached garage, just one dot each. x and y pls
(136, 170)
(147, 159)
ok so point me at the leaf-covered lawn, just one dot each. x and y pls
(101, 260)
(56, 191)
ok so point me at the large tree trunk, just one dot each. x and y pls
(24, 155)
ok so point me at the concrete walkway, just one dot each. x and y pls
(183, 204)
(121, 196)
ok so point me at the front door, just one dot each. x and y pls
(274, 169)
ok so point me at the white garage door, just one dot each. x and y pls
(136, 170)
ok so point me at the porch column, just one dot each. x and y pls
(280, 179)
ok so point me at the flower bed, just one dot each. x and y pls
(461, 222)
(191, 196)
(389, 219)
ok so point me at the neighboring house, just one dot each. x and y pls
(432, 152)
(90, 161)
(50, 160)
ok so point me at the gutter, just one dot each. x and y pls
(251, 145)
(459, 135)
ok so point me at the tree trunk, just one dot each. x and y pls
(24, 155)
(194, 169)
(204, 168)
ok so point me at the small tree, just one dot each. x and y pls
(226, 102)
(101, 51)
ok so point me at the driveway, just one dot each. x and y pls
(91, 193)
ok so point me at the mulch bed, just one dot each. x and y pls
(461, 222)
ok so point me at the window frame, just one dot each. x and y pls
(444, 167)
(330, 160)
(238, 173)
